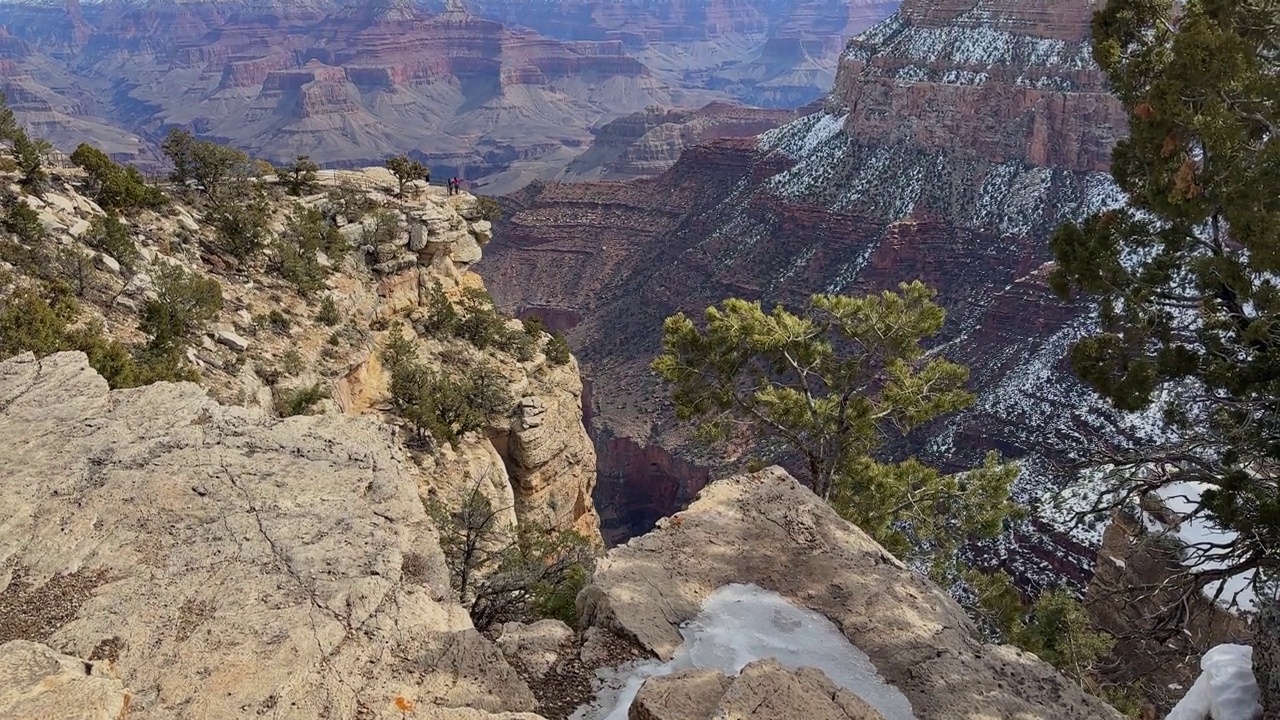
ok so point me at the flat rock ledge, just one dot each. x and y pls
(767, 529)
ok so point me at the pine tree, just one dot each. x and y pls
(830, 384)
(1187, 275)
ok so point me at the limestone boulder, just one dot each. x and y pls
(685, 695)
(38, 683)
(536, 647)
(228, 564)
(765, 690)
(767, 529)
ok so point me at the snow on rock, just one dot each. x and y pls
(739, 624)
(1199, 534)
(1225, 690)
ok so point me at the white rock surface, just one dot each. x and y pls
(233, 340)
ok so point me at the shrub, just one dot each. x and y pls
(509, 574)
(30, 323)
(533, 326)
(441, 317)
(407, 170)
(300, 177)
(291, 362)
(328, 313)
(557, 350)
(108, 234)
(348, 201)
(295, 251)
(184, 305)
(383, 233)
(113, 186)
(279, 323)
(447, 407)
(21, 220)
(398, 350)
(208, 166)
(241, 220)
(300, 400)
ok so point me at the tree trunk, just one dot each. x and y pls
(1266, 657)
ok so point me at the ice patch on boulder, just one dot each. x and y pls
(739, 624)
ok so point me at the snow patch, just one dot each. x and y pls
(1198, 534)
(1225, 690)
(739, 624)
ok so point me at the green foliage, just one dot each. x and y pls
(398, 350)
(348, 201)
(114, 187)
(1185, 275)
(240, 219)
(1060, 632)
(557, 350)
(441, 317)
(278, 322)
(184, 305)
(830, 384)
(291, 362)
(299, 401)
(22, 220)
(383, 235)
(31, 323)
(446, 406)
(206, 165)
(28, 153)
(328, 313)
(108, 234)
(489, 208)
(407, 170)
(506, 574)
(533, 326)
(301, 178)
(295, 251)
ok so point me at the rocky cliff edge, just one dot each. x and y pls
(221, 563)
(767, 529)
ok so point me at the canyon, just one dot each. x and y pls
(497, 102)
(956, 137)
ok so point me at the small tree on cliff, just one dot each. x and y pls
(1187, 275)
(502, 573)
(407, 170)
(829, 384)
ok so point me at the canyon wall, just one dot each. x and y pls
(948, 151)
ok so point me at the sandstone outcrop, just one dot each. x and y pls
(766, 529)
(38, 683)
(223, 563)
(546, 470)
(764, 690)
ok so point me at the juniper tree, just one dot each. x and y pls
(829, 383)
(1187, 275)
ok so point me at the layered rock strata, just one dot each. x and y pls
(954, 142)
